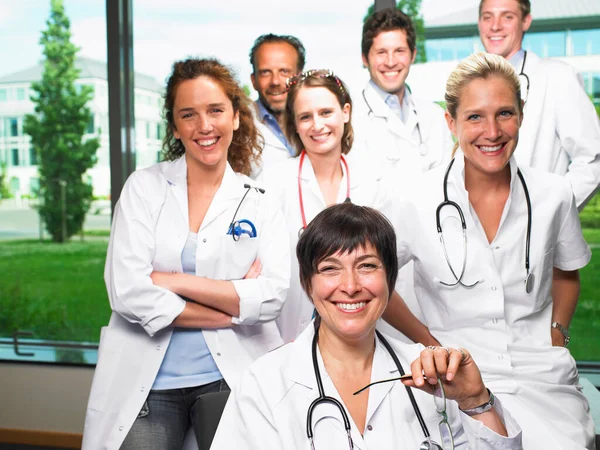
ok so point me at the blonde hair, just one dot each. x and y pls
(479, 66)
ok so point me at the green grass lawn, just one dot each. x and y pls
(57, 291)
(585, 328)
(54, 290)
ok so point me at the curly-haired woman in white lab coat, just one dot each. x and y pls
(504, 281)
(196, 271)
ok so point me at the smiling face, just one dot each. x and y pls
(275, 62)
(204, 121)
(319, 120)
(501, 27)
(389, 60)
(350, 292)
(487, 124)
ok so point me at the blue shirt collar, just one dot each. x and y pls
(516, 60)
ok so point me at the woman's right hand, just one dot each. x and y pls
(254, 270)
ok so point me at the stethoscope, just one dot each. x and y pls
(529, 279)
(300, 197)
(423, 150)
(427, 443)
(236, 228)
(523, 77)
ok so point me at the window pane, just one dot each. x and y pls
(586, 42)
(67, 301)
(546, 44)
(449, 49)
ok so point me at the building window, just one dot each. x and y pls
(451, 49)
(34, 186)
(585, 42)
(90, 125)
(14, 126)
(148, 128)
(3, 96)
(546, 44)
(20, 94)
(15, 156)
(32, 157)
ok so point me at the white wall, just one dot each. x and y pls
(44, 397)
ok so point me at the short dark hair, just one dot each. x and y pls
(388, 19)
(343, 228)
(524, 6)
(274, 38)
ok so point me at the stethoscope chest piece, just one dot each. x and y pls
(529, 282)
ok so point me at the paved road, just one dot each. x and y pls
(22, 223)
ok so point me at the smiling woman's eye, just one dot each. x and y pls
(473, 117)
(368, 267)
(328, 269)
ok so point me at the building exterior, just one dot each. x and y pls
(564, 30)
(15, 147)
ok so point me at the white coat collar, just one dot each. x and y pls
(231, 188)
(308, 173)
(377, 106)
(300, 369)
(457, 175)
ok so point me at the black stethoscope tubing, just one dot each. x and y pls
(248, 189)
(529, 280)
(523, 74)
(326, 399)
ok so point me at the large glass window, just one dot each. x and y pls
(52, 295)
(546, 44)
(13, 126)
(585, 42)
(453, 49)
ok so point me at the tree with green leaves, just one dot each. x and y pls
(411, 9)
(57, 129)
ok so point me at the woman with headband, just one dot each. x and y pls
(317, 123)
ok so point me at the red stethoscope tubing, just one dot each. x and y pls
(302, 155)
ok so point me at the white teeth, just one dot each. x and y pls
(351, 306)
(490, 149)
(207, 143)
(321, 137)
(496, 38)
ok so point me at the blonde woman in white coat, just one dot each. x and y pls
(504, 281)
(318, 124)
(196, 272)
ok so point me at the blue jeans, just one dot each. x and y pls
(166, 417)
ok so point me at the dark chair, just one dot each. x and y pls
(209, 410)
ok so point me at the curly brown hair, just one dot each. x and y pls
(316, 78)
(247, 143)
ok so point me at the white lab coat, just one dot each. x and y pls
(385, 136)
(268, 410)
(149, 231)
(408, 150)
(273, 150)
(560, 131)
(506, 329)
(366, 189)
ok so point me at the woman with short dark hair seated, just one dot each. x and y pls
(305, 394)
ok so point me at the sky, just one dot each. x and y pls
(167, 31)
